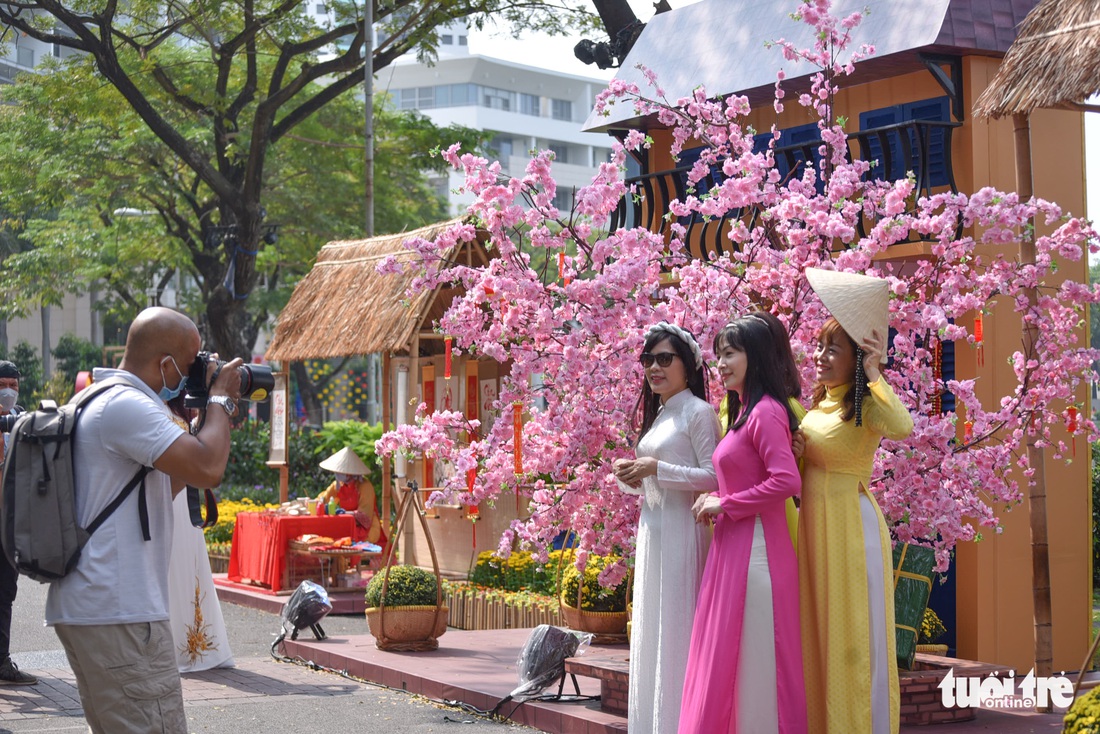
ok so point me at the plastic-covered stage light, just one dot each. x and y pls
(542, 663)
(307, 606)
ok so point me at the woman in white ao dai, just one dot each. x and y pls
(678, 434)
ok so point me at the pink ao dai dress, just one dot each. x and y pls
(744, 672)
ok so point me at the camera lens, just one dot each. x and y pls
(257, 382)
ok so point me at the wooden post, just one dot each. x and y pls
(1037, 493)
(387, 488)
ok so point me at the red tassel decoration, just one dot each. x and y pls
(979, 339)
(446, 357)
(561, 269)
(473, 512)
(968, 432)
(1072, 412)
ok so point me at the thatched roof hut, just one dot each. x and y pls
(344, 306)
(1054, 62)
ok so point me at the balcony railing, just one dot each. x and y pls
(920, 146)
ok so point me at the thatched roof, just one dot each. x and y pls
(1055, 61)
(344, 306)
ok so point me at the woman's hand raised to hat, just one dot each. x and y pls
(874, 354)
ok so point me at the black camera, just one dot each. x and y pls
(257, 382)
(7, 422)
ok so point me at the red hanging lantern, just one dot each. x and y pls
(968, 431)
(447, 357)
(1071, 411)
(979, 338)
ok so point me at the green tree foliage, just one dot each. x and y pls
(26, 358)
(123, 212)
(218, 91)
(75, 355)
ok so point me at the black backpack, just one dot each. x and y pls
(38, 527)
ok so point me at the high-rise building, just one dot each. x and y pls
(525, 107)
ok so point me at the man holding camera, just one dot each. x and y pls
(111, 611)
(10, 674)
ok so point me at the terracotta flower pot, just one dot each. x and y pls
(410, 628)
(601, 623)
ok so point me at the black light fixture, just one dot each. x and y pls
(307, 606)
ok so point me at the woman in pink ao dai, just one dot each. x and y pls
(744, 672)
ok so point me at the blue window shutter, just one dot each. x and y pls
(882, 118)
(931, 109)
(947, 365)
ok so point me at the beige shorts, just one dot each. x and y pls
(127, 677)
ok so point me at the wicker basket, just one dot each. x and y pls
(410, 628)
(601, 623)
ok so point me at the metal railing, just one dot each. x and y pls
(920, 146)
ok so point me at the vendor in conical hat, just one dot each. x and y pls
(354, 493)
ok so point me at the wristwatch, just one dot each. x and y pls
(226, 402)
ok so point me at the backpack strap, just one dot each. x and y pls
(81, 399)
(143, 507)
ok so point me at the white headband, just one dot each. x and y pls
(687, 338)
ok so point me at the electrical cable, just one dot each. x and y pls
(449, 703)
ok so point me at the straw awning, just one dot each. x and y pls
(1055, 61)
(344, 306)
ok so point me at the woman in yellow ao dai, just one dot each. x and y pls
(844, 550)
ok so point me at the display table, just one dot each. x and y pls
(261, 540)
(334, 564)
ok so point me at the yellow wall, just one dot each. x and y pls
(994, 577)
(994, 588)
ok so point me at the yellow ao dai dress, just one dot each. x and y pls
(844, 568)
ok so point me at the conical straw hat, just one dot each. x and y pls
(345, 461)
(859, 302)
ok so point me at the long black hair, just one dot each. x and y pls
(764, 374)
(649, 402)
(783, 352)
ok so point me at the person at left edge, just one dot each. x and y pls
(10, 674)
(111, 611)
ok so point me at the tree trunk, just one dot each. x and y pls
(308, 391)
(1037, 496)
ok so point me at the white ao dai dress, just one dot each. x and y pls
(671, 554)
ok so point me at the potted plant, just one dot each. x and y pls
(405, 610)
(931, 629)
(587, 606)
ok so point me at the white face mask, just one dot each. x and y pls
(8, 397)
(343, 478)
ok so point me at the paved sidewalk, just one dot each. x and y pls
(259, 694)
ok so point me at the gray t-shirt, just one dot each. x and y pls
(120, 577)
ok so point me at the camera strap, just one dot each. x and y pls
(194, 507)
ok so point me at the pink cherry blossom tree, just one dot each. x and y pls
(582, 330)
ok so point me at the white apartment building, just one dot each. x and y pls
(525, 107)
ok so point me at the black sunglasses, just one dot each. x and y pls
(664, 359)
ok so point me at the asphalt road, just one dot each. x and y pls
(259, 695)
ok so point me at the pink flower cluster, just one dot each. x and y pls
(573, 342)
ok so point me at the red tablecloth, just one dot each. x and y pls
(260, 542)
